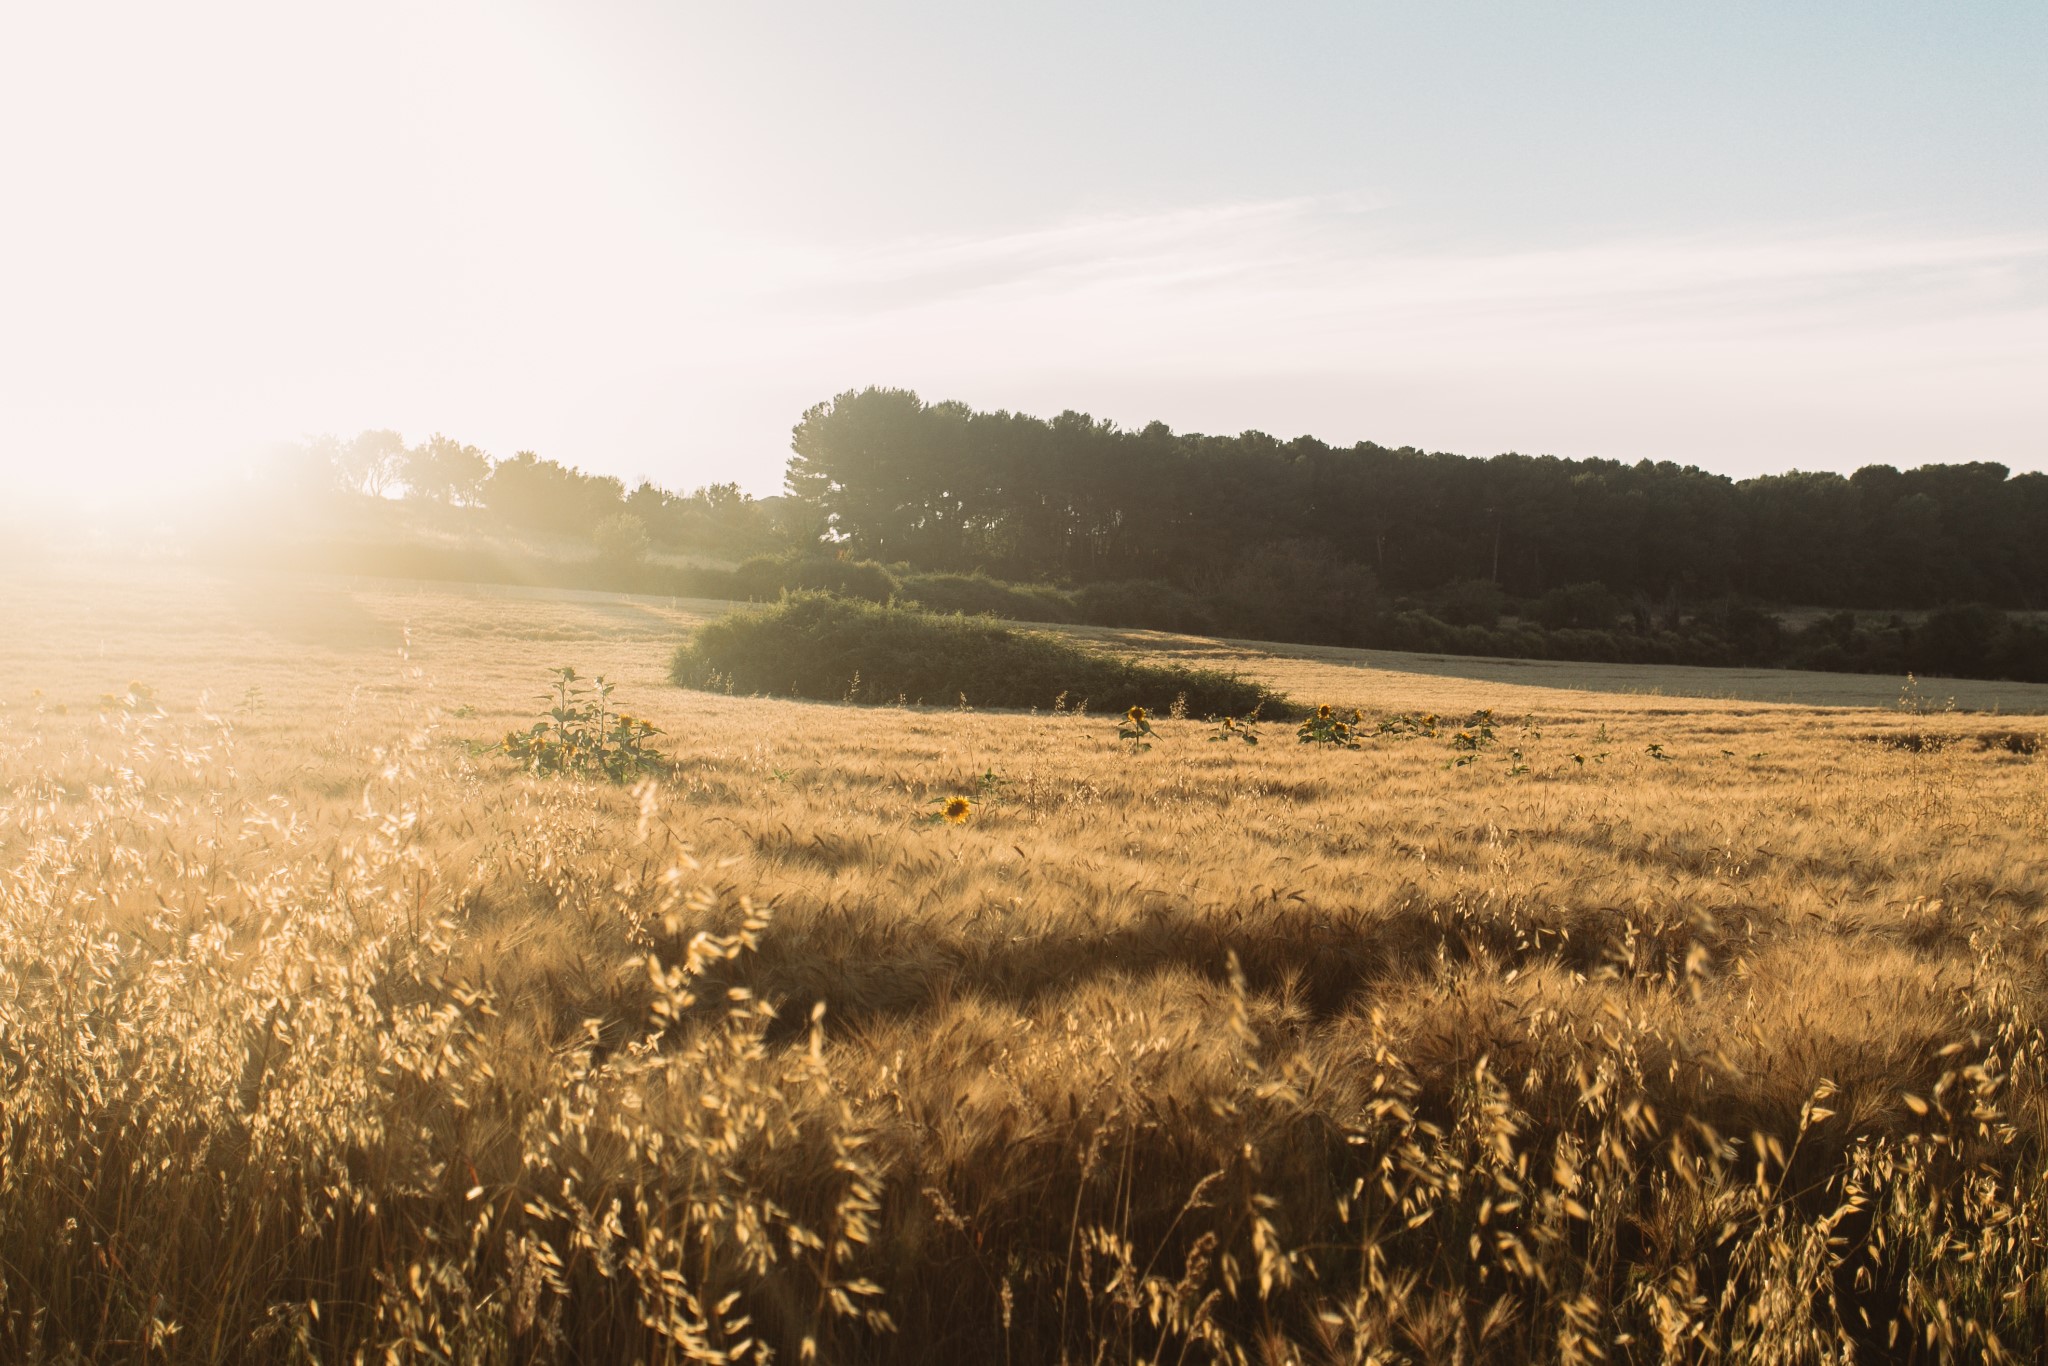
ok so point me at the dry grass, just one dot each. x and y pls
(323, 1037)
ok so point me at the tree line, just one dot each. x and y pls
(1074, 519)
(1076, 500)
(533, 493)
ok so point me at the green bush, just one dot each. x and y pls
(621, 540)
(767, 577)
(472, 564)
(1579, 606)
(1471, 602)
(1841, 642)
(977, 595)
(834, 649)
(1146, 604)
(1295, 590)
(1749, 634)
(1960, 641)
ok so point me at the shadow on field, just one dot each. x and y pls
(866, 962)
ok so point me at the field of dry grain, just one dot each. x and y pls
(1697, 1017)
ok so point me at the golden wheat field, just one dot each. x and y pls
(1667, 1027)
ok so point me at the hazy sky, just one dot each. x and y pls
(642, 238)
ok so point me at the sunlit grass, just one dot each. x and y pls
(324, 1032)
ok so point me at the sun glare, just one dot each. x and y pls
(923, 683)
(257, 224)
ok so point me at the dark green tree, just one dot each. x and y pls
(443, 470)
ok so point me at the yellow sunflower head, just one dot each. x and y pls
(1136, 716)
(1342, 729)
(958, 809)
(1323, 712)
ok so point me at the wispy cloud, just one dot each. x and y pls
(1831, 346)
(1295, 258)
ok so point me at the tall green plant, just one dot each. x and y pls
(582, 734)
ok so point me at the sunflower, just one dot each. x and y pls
(1323, 712)
(1342, 730)
(958, 809)
(1229, 723)
(1136, 716)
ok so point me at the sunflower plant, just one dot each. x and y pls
(1326, 728)
(1136, 730)
(961, 807)
(1422, 724)
(953, 810)
(1475, 735)
(582, 735)
(1231, 728)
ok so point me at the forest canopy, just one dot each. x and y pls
(941, 486)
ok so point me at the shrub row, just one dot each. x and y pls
(1471, 617)
(477, 564)
(1582, 622)
(1969, 641)
(827, 648)
(977, 595)
(767, 577)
